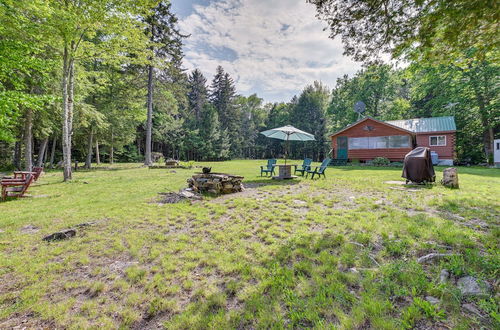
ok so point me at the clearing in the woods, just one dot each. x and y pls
(335, 252)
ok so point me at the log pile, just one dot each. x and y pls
(216, 183)
(171, 163)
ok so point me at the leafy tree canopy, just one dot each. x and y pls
(430, 29)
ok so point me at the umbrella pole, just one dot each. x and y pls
(287, 144)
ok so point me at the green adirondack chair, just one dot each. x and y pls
(306, 165)
(319, 170)
(269, 168)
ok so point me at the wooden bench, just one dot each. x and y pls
(16, 187)
(37, 171)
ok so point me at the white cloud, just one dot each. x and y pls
(274, 48)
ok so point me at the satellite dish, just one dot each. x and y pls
(359, 107)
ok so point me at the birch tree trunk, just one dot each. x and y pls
(28, 147)
(149, 122)
(88, 161)
(41, 152)
(97, 156)
(66, 132)
(53, 153)
(71, 102)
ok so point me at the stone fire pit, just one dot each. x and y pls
(216, 183)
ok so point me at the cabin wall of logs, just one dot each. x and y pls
(216, 183)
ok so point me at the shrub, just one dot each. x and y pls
(381, 161)
(161, 160)
(188, 164)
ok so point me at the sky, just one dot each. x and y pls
(273, 48)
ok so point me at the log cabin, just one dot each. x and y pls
(369, 138)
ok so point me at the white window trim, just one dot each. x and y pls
(437, 139)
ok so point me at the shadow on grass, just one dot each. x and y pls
(479, 171)
(469, 170)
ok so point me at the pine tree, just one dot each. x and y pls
(197, 95)
(223, 146)
(309, 115)
(222, 96)
(210, 132)
(166, 42)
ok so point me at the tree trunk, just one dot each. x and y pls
(71, 100)
(482, 103)
(41, 152)
(17, 155)
(53, 152)
(149, 122)
(138, 144)
(97, 156)
(66, 136)
(111, 150)
(46, 153)
(28, 146)
(450, 178)
(88, 161)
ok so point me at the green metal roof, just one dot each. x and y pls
(426, 125)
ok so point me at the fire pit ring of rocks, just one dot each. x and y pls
(216, 183)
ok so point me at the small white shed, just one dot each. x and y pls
(496, 152)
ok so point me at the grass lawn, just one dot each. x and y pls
(338, 252)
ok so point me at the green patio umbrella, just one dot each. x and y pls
(288, 133)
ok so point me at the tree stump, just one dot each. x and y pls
(450, 178)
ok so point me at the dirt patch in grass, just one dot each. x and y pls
(29, 229)
(172, 198)
(27, 320)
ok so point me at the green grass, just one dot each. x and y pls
(335, 253)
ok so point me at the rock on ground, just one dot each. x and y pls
(60, 235)
(470, 286)
(444, 276)
(432, 300)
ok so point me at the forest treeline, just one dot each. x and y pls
(104, 81)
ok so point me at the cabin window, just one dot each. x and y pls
(359, 143)
(437, 141)
(399, 141)
(380, 142)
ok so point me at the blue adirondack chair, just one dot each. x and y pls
(319, 170)
(306, 165)
(269, 168)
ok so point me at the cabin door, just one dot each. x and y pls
(342, 147)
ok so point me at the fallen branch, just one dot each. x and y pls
(356, 243)
(432, 256)
(373, 259)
